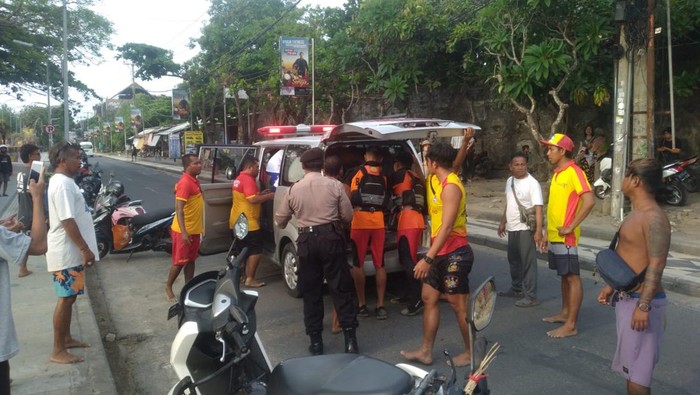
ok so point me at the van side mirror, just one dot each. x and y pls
(230, 173)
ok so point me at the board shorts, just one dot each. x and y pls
(182, 253)
(449, 273)
(638, 352)
(563, 259)
(69, 282)
(375, 239)
(253, 240)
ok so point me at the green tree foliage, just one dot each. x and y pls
(544, 53)
(151, 62)
(38, 22)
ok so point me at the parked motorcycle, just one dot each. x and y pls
(217, 349)
(123, 226)
(89, 182)
(678, 182)
(602, 186)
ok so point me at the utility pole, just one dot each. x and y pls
(64, 65)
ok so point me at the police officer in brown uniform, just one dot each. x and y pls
(320, 204)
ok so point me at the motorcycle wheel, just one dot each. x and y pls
(676, 195)
(601, 192)
(691, 185)
(104, 246)
(290, 267)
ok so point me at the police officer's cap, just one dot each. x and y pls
(312, 155)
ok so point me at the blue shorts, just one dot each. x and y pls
(69, 282)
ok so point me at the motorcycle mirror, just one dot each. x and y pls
(240, 228)
(482, 305)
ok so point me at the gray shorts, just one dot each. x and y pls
(563, 259)
(5, 177)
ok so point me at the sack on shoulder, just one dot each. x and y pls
(528, 217)
(615, 271)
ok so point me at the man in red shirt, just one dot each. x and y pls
(247, 200)
(188, 225)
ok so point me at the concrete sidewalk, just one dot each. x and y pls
(682, 273)
(33, 302)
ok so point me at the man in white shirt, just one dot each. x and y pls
(71, 245)
(522, 253)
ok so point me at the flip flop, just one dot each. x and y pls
(256, 284)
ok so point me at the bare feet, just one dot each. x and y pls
(562, 332)
(170, 295)
(555, 319)
(460, 360)
(64, 357)
(418, 356)
(72, 343)
(254, 284)
(24, 273)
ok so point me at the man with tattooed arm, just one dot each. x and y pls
(645, 237)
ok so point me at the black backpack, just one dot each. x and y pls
(371, 193)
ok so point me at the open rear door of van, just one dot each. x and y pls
(397, 129)
(220, 166)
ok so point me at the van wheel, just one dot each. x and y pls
(290, 267)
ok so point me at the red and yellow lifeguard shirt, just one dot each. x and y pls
(564, 202)
(188, 190)
(244, 188)
(458, 236)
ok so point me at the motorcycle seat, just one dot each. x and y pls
(151, 216)
(338, 374)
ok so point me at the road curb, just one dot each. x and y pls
(671, 282)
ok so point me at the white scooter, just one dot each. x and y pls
(601, 186)
(217, 349)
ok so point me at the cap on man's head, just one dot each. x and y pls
(3, 146)
(314, 154)
(560, 140)
(426, 142)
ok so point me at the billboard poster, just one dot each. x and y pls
(136, 120)
(295, 74)
(119, 123)
(106, 127)
(181, 104)
(174, 146)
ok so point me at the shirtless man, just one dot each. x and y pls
(645, 237)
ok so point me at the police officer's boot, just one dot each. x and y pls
(351, 341)
(316, 347)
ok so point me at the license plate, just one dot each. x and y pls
(683, 175)
(174, 310)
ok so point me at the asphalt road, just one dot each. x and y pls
(129, 300)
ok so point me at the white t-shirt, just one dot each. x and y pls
(529, 194)
(66, 201)
(274, 165)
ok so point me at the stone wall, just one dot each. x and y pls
(504, 130)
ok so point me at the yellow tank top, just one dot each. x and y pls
(434, 191)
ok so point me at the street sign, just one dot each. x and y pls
(50, 129)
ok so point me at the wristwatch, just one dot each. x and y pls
(645, 307)
(429, 260)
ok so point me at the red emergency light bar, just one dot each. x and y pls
(294, 130)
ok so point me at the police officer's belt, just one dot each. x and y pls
(316, 228)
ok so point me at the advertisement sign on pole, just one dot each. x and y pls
(294, 67)
(181, 104)
(191, 139)
(174, 146)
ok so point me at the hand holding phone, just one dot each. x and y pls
(35, 170)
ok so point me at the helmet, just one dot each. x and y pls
(115, 188)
